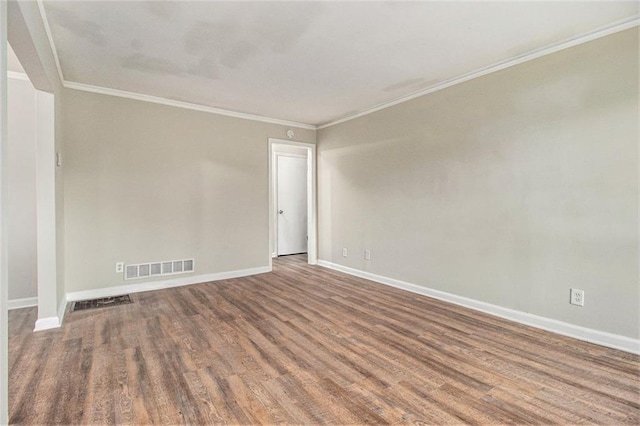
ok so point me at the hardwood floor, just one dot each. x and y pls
(307, 345)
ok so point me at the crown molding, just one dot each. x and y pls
(184, 105)
(600, 32)
(154, 99)
(17, 75)
(622, 25)
(47, 30)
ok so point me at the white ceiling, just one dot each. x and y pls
(308, 62)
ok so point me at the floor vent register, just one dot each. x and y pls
(103, 302)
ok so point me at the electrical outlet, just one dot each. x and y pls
(577, 297)
(344, 252)
(367, 255)
(119, 267)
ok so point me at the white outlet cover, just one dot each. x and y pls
(119, 267)
(344, 252)
(577, 297)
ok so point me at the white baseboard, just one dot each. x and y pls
(603, 338)
(22, 303)
(52, 322)
(162, 284)
(47, 323)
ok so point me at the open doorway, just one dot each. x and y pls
(21, 182)
(292, 208)
(31, 191)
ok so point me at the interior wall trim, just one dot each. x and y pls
(27, 302)
(163, 284)
(622, 25)
(15, 75)
(600, 32)
(603, 338)
(52, 322)
(47, 323)
(184, 105)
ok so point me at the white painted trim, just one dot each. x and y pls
(47, 323)
(17, 75)
(52, 322)
(4, 222)
(312, 208)
(27, 302)
(46, 212)
(534, 54)
(622, 25)
(159, 285)
(47, 29)
(289, 154)
(185, 105)
(603, 338)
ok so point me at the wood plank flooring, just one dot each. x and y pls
(307, 345)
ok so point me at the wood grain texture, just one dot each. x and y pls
(307, 345)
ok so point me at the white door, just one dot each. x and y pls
(291, 201)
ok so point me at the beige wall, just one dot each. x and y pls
(21, 209)
(146, 182)
(507, 189)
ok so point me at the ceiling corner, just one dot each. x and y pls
(47, 29)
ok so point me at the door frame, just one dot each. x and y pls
(4, 225)
(312, 214)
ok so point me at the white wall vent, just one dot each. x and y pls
(167, 267)
(156, 268)
(131, 271)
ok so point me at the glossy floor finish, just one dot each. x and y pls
(307, 345)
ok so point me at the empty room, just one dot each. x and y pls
(311, 212)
